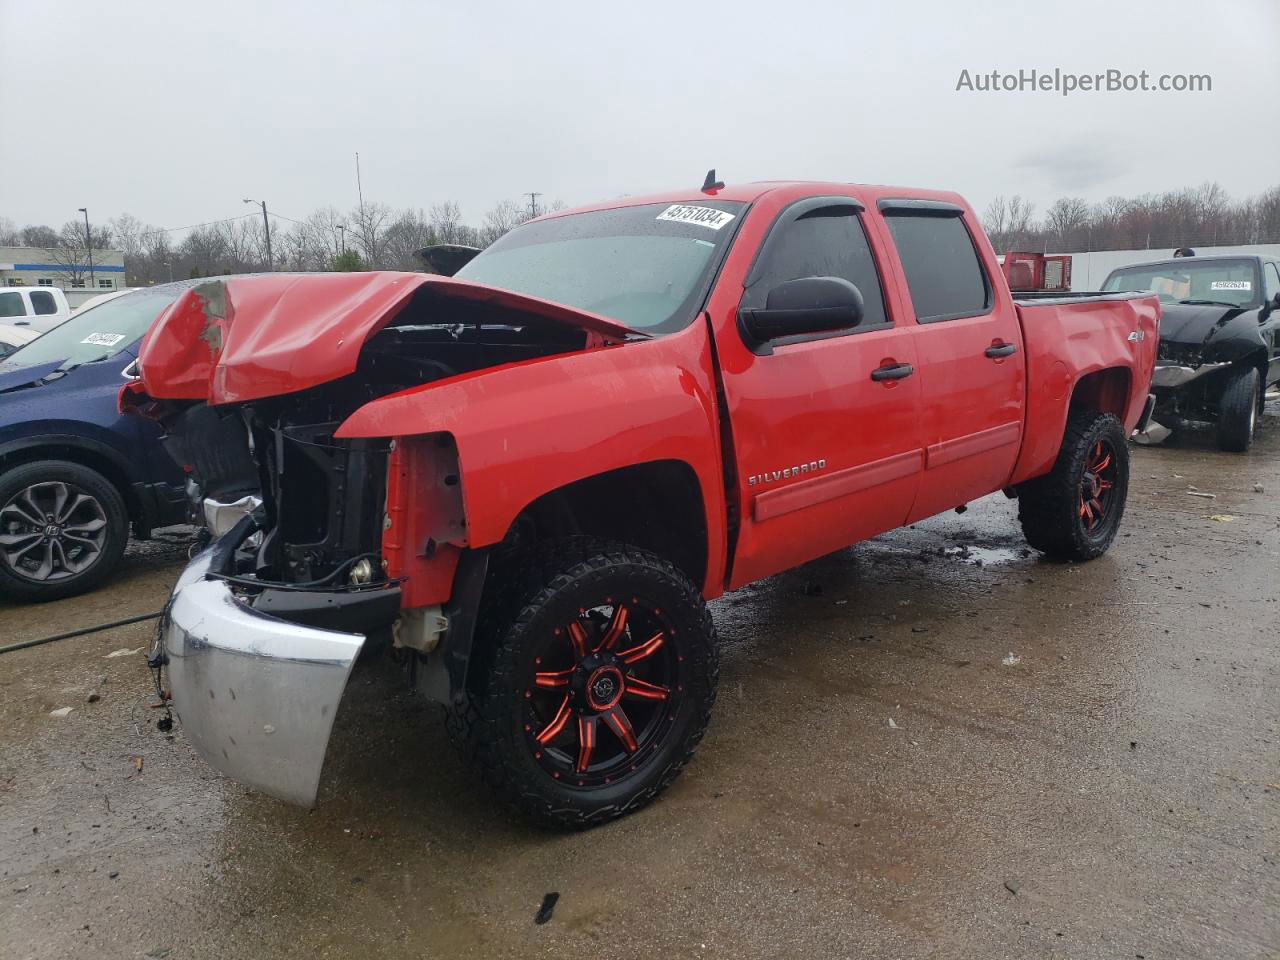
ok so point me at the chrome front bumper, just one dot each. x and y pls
(1175, 375)
(256, 695)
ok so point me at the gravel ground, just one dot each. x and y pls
(1083, 761)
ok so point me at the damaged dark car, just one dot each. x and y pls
(1219, 347)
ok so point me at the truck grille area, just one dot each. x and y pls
(324, 502)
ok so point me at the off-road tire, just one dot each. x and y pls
(1238, 410)
(526, 599)
(1049, 507)
(115, 532)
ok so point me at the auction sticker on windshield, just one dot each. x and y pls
(1231, 285)
(703, 216)
(103, 339)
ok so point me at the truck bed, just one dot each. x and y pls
(1071, 337)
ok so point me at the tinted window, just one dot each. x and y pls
(943, 273)
(11, 305)
(828, 242)
(43, 303)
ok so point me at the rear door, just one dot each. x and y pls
(971, 362)
(825, 455)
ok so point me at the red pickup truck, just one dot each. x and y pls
(526, 480)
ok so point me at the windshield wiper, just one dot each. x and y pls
(81, 363)
(1209, 303)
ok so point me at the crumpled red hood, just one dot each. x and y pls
(245, 338)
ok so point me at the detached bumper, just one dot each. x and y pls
(256, 695)
(1169, 375)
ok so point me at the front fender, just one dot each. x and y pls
(526, 429)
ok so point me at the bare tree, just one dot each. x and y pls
(408, 233)
(72, 253)
(1067, 220)
(38, 235)
(504, 217)
(9, 233)
(205, 250)
(320, 237)
(1008, 222)
(446, 221)
(370, 225)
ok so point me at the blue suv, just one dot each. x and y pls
(76, 475)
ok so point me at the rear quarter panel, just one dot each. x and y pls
(1066, 341)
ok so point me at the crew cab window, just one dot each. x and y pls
(43, 303)
(826, 242)
(943, 273)
(1270, 281)
(11, 305)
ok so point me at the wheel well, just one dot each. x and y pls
(1106, 391)
(86, 458)
(656, 506)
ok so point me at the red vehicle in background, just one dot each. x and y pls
(528, 479)
(1037, 272)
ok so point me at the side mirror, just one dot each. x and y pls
(807, 305)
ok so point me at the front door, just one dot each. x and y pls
(825, 429)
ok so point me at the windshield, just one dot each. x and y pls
(97, 333)
(646, 267)
(1229, 282)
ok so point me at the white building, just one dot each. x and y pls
(38, 267)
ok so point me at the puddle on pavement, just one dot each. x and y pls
(986, 556)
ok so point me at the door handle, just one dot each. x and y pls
(893, 372)
(997, 350)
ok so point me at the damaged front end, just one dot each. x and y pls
(1199, 345)
(317, 562)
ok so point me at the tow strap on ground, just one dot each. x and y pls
(23, 644)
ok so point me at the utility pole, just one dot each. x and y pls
(533, 204)
(266, 229)
(342, 236)
(88, 242)
(359, 187)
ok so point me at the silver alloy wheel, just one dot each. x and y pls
(51, 531)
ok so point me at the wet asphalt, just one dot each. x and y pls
(934, 744)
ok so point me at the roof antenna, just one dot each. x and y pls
(711, 184)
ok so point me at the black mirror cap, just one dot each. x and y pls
(807, 305)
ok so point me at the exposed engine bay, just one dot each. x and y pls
(322, 501)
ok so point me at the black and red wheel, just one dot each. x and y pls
(598, 686)
(1074, 511)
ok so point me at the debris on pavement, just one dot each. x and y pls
(60, 712)
(123, 652)
(548, 907)
(1013, 886)
(1012, 660)
(1219, 517)
(892, 725)
(1202, 495)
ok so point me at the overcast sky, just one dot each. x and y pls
(174, 115)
